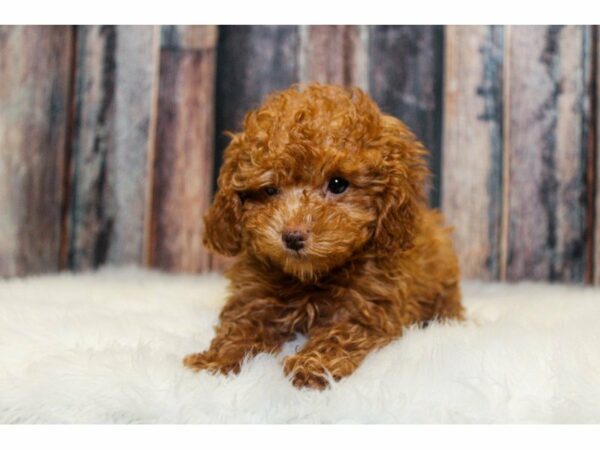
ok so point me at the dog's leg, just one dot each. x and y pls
(338, 350)
(449, 305)
(244, 331)
(234, 342)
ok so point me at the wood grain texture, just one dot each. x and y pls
(34, 101)
(252, 61)
(186, 37)
(112, 135)
(472, 158)
(185, 147)
(594, 159)
(405, 79)
(334, 54)
(547, 145)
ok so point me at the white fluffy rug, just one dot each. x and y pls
(107, 347)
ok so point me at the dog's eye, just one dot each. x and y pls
(271, 191)
(337, 185)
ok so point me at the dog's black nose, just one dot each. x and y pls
(294, 240)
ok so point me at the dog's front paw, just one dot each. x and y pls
(305, 372)
(207, 361)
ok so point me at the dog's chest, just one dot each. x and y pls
(301, 309)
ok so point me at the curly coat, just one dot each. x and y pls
(373, 259)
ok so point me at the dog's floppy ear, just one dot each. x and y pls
(222, 222)
(222, 229)
(404, 198)
(396, 222)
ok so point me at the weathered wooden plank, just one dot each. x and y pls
(185, 37)
(112, 141)
(547, 123)
(185, 147)
(472, 155)
(594, 159)
(34, 97)
(251, 62)
(334, 54)
(406, 71)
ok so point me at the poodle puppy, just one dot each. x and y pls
(322, 199)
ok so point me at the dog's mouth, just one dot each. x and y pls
(299, 263)
(296, 254)
(305, 265)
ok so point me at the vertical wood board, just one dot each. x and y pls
(335, 54)
(594, 178)
(35, 64)
(185, 147)
(472, 156)
(547, 148)
(112, 137)
(405, 79)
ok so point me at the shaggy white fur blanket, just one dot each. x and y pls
(107, 347)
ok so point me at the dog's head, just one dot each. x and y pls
(318, 176)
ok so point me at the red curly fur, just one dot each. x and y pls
(375, 258)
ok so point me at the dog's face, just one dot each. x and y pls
(311, 209)
(317, 177)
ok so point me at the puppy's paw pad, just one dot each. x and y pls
(305, 373)
(310, 380)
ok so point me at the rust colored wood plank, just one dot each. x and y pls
(185, 147)
(34, 97)
(252, 61)
(548, 121)
(335, 54)
(405, 78)
(472, 155)
(112, 141)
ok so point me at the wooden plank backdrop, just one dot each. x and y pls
(111, 136)
(334, 54)
(405, 79)
(548, 115)
(35, 71)
(472, 158)
(594, 162)
(112, 144)
(183, 164)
